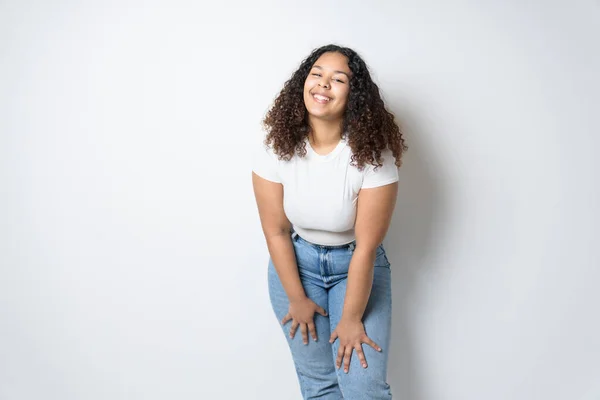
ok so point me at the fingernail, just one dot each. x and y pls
(364, 365)
(346, 371)
(379, 349)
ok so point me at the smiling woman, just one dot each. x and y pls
(326, 87)
(325, 186)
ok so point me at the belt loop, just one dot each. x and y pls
(294, 234)
(351, 246)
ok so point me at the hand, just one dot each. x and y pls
(301, 313)
(351, 334)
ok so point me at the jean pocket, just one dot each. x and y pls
(381, 259)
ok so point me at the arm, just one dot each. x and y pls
(277, 228)
(374, 213)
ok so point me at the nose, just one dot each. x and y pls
(324, 84)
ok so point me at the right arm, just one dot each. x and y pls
(277, 230)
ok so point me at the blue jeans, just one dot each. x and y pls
(324, 272)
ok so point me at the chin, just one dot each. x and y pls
(320, 115)
(325, 115)
(319, 112)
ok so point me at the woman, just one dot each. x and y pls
(325, 186)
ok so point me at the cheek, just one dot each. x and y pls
(306, 92)
(309, 82)
(343, 96)
(307, 88)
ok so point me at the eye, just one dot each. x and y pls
(315, 74)
(339, 80)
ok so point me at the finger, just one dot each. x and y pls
(371, 343)
(322, 311)
(285, 319)
(361, 355)
(294, 328)
(333, 336)
(313, 331)
(347, 356)
(304, 331)
(340, 356)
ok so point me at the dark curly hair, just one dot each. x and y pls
(370, 128)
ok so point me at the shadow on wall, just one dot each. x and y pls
(417, 217)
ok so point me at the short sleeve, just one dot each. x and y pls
(384, 175)
(265, 163)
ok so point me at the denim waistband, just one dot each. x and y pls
(297, 237)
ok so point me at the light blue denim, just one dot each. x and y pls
(323, 272)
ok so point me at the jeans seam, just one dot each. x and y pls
(301, 379)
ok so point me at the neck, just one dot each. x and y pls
(325, 133)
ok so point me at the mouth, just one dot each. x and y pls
(319, 98)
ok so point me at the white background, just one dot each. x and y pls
(132, 264)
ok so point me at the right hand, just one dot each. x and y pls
(301, 313)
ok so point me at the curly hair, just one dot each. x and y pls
(368, 126)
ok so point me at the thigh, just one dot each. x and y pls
(314, 366)
(377, 322)
(280, 303)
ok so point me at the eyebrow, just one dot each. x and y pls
(337, 72)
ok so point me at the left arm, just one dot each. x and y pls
(374, 213)
(373, 217)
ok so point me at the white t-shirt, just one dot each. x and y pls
(320, 192)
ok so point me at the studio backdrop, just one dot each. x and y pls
(132, 261)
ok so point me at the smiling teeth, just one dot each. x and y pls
(319, 97)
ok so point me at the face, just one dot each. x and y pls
(327, 87)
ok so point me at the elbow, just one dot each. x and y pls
(277, 232)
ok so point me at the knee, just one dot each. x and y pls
(364, 387)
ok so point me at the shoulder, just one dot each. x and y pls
(374, 176)
(265, 163)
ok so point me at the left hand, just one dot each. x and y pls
(351, 334)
